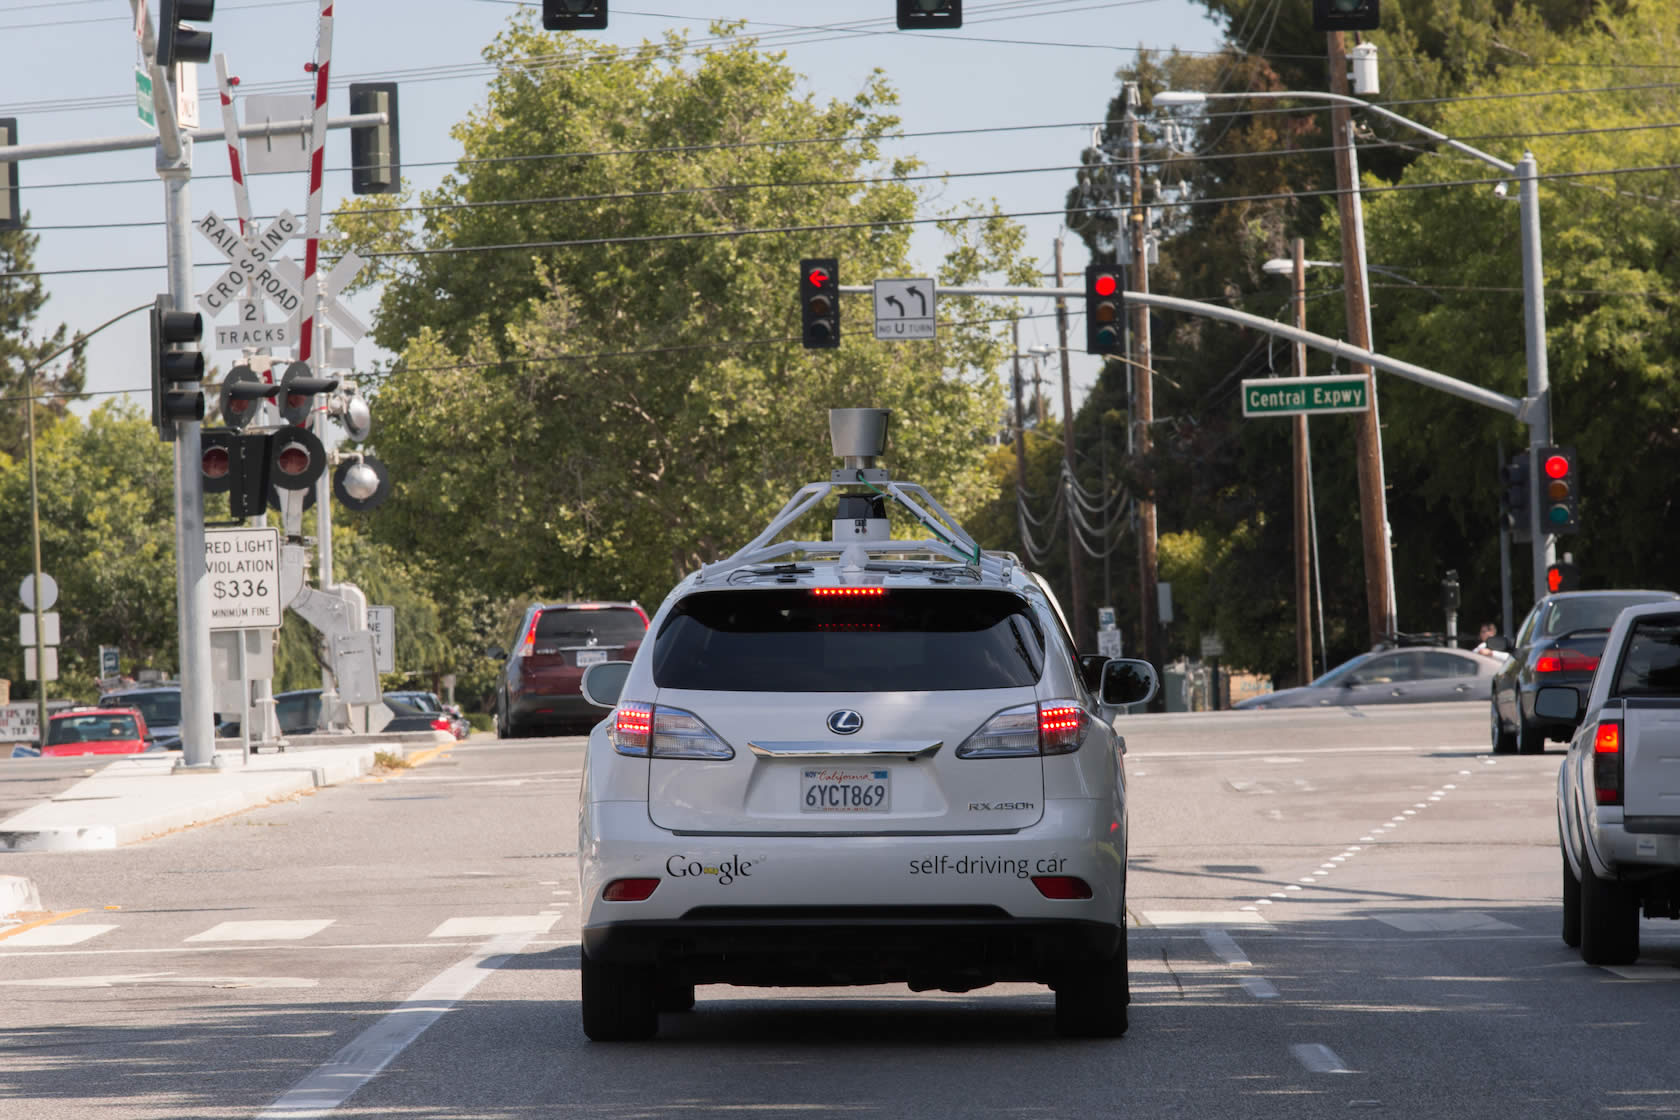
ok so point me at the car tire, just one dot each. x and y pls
(1091, 1003)
(1504, 742)
(1571, 904)
(1530, 739)
(674, 997)
(1609, 919)
(620, 1001)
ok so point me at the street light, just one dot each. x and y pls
(1537, 402)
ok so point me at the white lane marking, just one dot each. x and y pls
(262, 931)
(137, 978)
(364, 1056)
(491, 926)
(1206, 918)
(1644, 971)
(1318, 1058)
(373, 946)
(1153, 755)
(56, 935)
(1259, 987)
(1225, 947)
(1446, 922)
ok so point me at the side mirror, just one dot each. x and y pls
(1126, 680)
(1558, 702)
(1499, 642)
(603, 682)
(1091, 670)
(496, 652)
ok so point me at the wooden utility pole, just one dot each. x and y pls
(1303, 514)
(1367, 434)
(1076, 563)
(1143, 396)
(1020, 436)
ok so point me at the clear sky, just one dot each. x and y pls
(70, 74)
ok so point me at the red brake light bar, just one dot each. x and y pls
(1565, 660)
(848, 592)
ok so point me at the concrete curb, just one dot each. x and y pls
(17, 895)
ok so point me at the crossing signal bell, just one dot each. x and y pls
(574, 15)
(172, 367)
(819, 302)
(1559, 490)
(919, 15)
(375, 154)
(1103, 307)
(177, 42)
(1345, 15)
(1562, 576)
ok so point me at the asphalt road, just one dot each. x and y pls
(1334, 913)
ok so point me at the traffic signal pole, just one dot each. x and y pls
(1143, 397)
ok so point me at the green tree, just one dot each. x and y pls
(625, 397)
(21, 299)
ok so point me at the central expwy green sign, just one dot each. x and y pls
(1295, 396)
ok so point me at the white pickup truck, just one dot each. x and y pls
(1619, 788)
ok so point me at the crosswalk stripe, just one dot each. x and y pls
(263, 930)
(492, 926)
(55, 936)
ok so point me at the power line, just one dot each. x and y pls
(129, 19)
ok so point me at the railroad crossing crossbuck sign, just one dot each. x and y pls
(904, 309)
(252, 261)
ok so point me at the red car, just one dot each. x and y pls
(95, 731)
(541, 683)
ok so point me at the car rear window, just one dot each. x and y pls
(161, 709)
(607, 625)
(1569, 615)
(906, 640)
(92, 729)
(1651, 666)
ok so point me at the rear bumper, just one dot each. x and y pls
(927, 947)
(555, 706)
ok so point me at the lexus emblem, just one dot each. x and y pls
(844, 722)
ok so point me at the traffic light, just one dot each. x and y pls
(1450, 590)
(375, 154)
(1103, 307)
(243, 391)
(11, 213)
(172, 367)
(819, 302)
(1559, 490)
(1562, 576)
(297, 392)
(573, 15)
(236, 465)
(1517, 498)
(1345, 15)
(179, 43)
(918, 15)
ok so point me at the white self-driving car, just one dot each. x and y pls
(856, 761)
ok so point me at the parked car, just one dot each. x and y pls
(1413, 675)
(299, 712)
(431, 702)
(96, 731)
(1618, 794)
(1559, 643)
(538, 689)
(161, 705)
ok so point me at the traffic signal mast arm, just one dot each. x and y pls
(129, 143)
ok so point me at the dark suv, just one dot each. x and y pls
(555, 643)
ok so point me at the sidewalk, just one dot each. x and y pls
(141, 796)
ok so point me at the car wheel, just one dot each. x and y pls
(1571, 905)
(1609, 919)
(501, 719)
(1504, 742)
(1091, 1003)
(1530, 740)
(620, 1001)
(676, 997)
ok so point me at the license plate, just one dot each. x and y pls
(835, 789)
(591, 657)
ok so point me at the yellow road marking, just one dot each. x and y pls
(426, 756)
(46, 921)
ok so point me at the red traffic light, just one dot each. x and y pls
(1556, 466)
(1562, 576)
(818, 277)
(1106, 284)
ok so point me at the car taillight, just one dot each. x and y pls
(1052, 727)
(1062, 886)
(1562, 659)
(629, 890)
(529, 642)
(1607, 762)
(641, 729)
(440, 724)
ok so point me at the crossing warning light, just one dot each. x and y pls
(1103, 309)
(237, 465)
(297, 392)
(819, 302)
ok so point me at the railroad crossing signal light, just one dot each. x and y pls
(573, 15)
(1103, 311)
(172, 367)
(236, 465)
(1559, 490)
(296, 458)
(297, 392)
(919, 15)
(1345, 15)
(1517, 499)
(243, 391)
(1562, 576)
(819, 302)
(375, 154)
(177, 42)
(11, 215)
